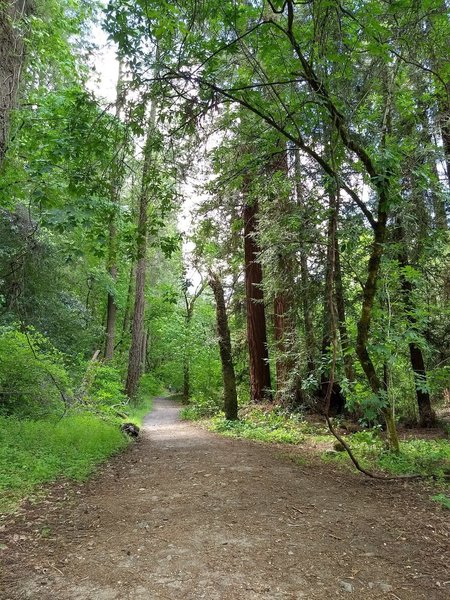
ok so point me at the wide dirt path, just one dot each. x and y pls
(185, 514)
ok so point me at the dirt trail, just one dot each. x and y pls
(185, 514)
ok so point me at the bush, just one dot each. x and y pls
(32, 374)
(105, 389)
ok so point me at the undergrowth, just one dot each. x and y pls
(38, 451)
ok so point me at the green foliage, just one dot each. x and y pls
(105, 393)
(259, 426)
(269, 425)
(425, 457)
(416, 457)
(32, 374)
(443, 500)
(33, 452)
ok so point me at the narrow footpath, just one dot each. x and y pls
(185, 514)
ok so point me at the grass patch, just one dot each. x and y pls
(259, 423)
(33, 452)
(252, 431)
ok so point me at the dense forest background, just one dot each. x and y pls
(302, 149)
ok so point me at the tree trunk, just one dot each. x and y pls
(126, 316)
(340, 306)
(186, 360)
(223, 334)
(427, 417)
(144, 352)
(304, 275)
(365, 319)
(12, 49)
(137, 332)
(111, 308)
(256, 317)
(334, 399)
(288, 382)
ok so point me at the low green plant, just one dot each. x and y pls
(443, 500)
(274, 430)
(202, 407)
(33, 452)
(421, 457)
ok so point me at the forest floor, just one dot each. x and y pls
(187, 514)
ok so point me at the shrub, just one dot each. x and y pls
(32, 374)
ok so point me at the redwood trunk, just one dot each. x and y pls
(256, 318)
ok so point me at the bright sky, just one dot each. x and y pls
(104, 78)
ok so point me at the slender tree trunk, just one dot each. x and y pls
(288, 383)
(369, 292)
(126, 316)
(12, 52)
(144, 352)
(137, 331)
(304, 275)
(427, 417)
(223, 334)
(186, 358)
(340, 306)
(334, 398)
(111, 309)
(256, 317)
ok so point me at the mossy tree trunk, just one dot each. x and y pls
(226, 357)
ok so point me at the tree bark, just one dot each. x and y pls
(288, 382)
(256, 317)
(186, 359)
(126, 316)
(334, 399)
(12, 53)
(137, 331)
(223, 333)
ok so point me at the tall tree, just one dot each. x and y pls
(137, 331)
(260, 382)
(230, 401)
